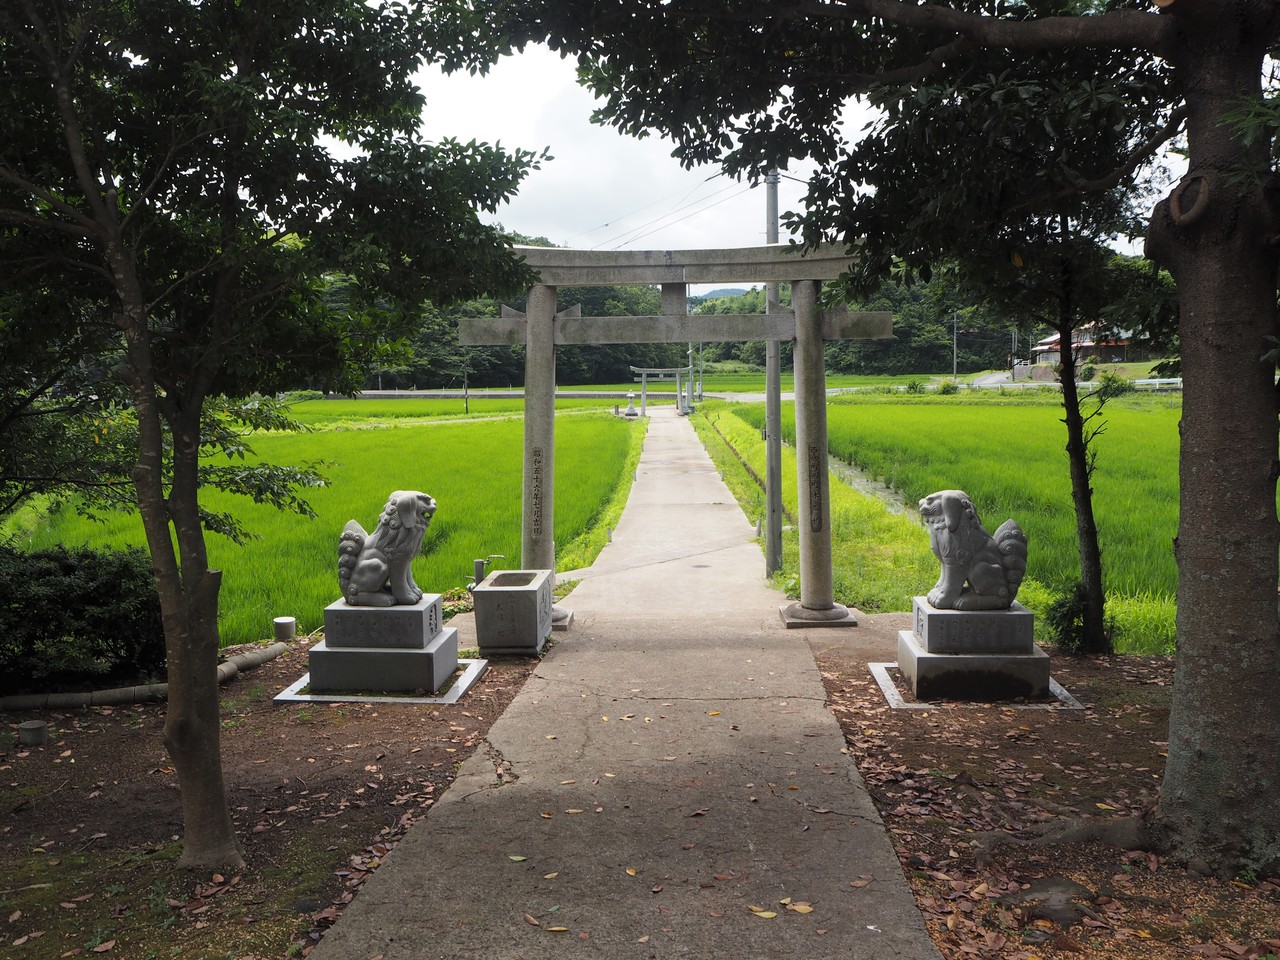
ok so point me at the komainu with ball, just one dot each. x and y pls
(979, 571)
(376, 570)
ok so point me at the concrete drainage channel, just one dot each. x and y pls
(121, 696)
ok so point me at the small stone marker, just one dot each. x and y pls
(33, 733)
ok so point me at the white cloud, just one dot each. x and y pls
(603, 189)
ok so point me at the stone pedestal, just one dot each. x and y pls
(513, 612)
(981, 655)
(400, 648)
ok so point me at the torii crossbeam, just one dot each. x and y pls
(540, 329)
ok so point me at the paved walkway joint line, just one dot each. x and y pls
(669, 783)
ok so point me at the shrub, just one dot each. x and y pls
(948, 387)
(78, 617)
(915, 386)
(1087, 372)
(300, 396)
(1065, 620)
(1113, 385)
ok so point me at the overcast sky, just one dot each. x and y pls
(603, 190)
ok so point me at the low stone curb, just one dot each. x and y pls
(121, 696)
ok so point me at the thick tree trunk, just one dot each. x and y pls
(188, 604)
(193, 728)
(1095, 636)
(1220, 799)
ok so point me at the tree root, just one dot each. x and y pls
(1125, 833)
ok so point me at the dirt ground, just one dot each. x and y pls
(89, 821)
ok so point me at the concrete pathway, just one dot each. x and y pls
(670, 765)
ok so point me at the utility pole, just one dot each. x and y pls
(955, 318)
(772, 404)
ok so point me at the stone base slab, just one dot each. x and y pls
(976, 676)
(402, 627)
(795, 616)
(974, 631)
(559, 622)
(389, 669)
(468, 674)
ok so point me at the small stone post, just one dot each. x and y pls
(817, 606)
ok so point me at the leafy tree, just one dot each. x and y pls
(177, 163)
(756, 83)
(1028, 242)
(61, 428)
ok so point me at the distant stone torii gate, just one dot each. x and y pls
(540, 329)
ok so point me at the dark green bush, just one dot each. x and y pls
(78, 618)
(948, 387)
(1065, 620)
(1113, 385)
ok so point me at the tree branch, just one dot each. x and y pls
(87, 226)
(1119, 29)
(914, 73)
(73, 133)
(1143, 151)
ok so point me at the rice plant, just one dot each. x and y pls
(472, 469)
(1008, 453)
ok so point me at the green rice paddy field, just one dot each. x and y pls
(1007, 452)
(473, 469)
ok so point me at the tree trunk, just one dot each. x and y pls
(188, 604)
(193, 728)
(1095, 636)
(1220, 799)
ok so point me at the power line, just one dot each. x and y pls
(692, 213)
(657, 220)
(652, 203)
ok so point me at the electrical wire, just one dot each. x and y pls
(692, 213)
(653, 203)
(626, 235)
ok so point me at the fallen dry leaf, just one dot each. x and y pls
(531, 920)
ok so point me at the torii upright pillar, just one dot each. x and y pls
(537, 525)
(816, 606)
(542, 329)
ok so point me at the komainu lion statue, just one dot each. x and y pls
(376, 570)
(979, 571)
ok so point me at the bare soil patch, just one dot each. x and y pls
(322, 792)
(947, 779)
(89, 822)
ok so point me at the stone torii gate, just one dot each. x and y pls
(540, 329)
(644, 373)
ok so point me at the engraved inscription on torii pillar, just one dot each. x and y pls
(540, 329)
